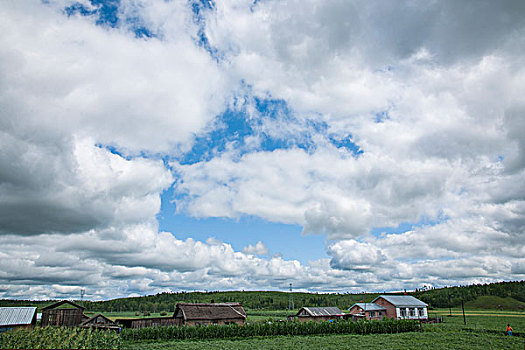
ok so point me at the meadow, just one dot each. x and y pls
(485, 329)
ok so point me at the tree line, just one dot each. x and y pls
(452, 296)
(266, 300)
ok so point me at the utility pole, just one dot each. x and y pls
(82, 292)
(290, 300)
(463, 308)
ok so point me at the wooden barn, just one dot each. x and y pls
(370, 311)
(65, 313)
(17, 317)
(210, 313)
(318, 314)
(100, 321)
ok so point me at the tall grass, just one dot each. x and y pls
(59, 338)
(269, 329)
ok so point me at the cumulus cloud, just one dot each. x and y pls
(95, 121)
(258, 249)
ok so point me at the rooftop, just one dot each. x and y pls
(322, 311)
(13, 316)
(369, 306)
(402, 300)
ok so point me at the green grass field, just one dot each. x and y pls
(485, 329)
(416, 341)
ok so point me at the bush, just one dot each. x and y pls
(163, 313)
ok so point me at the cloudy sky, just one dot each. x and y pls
(342, 146)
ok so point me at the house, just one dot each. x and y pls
(65, 313)
(370, 311)
(318, 314)
(17, 317)
(209, 313)
(100, 321)
(402, 306)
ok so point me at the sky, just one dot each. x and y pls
(152, 146)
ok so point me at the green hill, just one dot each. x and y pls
(502, 295)
(497, 303)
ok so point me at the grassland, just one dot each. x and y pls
(485, 329)
(425, 340)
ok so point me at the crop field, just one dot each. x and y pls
(485, 329)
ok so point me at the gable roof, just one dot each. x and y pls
(60, 303)
(402, 300)
(321, 311)
(210, 311)
(98, 319)
(369, 306)
(15, 316)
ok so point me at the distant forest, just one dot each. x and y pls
(436, 298)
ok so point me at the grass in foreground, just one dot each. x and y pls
(415, 341)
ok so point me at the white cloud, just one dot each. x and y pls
(258, 249)
(446, 84)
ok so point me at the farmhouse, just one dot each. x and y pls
(17, 317)
(370, 311)
(402, 306)
(317, 314)
(63, 314)
(209, 313)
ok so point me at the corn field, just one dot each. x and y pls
(269, 329)
(59, 338)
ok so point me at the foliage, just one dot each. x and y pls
(59, 338)
(257, 300)
(452, 296)
(269, 329)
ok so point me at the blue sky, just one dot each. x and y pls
(341, 146)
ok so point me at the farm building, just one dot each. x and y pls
(147, 322)
(402, 306)
(370, 311)
(100, 321)
(17, 317)
(319, 314)
(210, 313)
(63, 314)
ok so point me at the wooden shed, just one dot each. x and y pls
(148, 322)
(210, 313)
(317, 314)
(17, 317)
(100, 321)
(65, 313)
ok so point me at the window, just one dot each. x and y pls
(372, 314)
(421, 312)
(403, 312)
